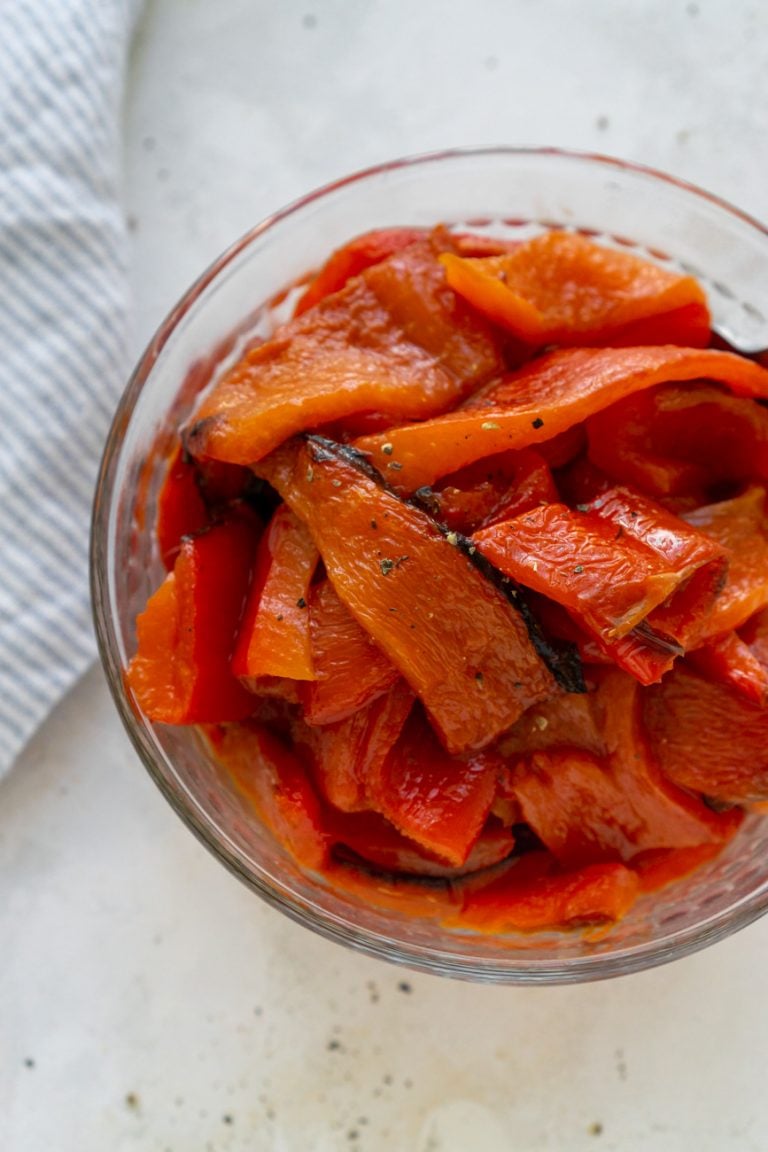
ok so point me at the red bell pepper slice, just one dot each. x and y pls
(181, 672)
(740, 526)
(643, 656)
(530, 896)
(455, 638)
(273, 779)
(730, 661)
(274, 637)
(395, 340)
(586, 808)
(681, 440)
(658, 867)
(345, 755)
(350, 671)
(493, 489)
(193, 493)
(544, 398)
(561, 288)
(609, 582)
(181, 510)
(572, 719)
(755, 634)
(708, 738)
(436, 799)
(700, 561)
(361, 253)
(373, 840)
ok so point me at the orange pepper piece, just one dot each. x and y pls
(546, 397)
(274, 637)
(274, 780)
(708, 738)
(576, 559)
(395, 340)
(740, 526)
(529, 896)
(561, 288)
(585, 808)
(681, 440)
(437, 800)
(659, 867)
(181, 672)
(730, 661)
(353, 258)
(700, 561)
(457, 640)
(372, 839)
(350, 671)
(493, 489)
(346, 754)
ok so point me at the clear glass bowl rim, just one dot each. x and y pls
(512, 968)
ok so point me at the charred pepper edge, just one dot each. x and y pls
(562, 660)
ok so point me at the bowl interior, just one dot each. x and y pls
(508, 192)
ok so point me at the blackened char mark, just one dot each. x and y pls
(562, 658)
(322, 450)
(193, 438)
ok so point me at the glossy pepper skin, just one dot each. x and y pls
(544, 398)
(274, 635)
(181, 673)
(681, 440)
(346, 755)
(350, 671)
(454, 637)
(708, 738)
(561, 288)
(353, 259)
(438, 801)
(394, 340)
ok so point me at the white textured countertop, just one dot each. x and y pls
(147, 1001)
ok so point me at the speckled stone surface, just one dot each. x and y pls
(147, 1001)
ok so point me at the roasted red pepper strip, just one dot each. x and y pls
(395, 340)
(530, 897)
(181, 510)
(274, 637)
(610, 583)
(681, 440)
(587, 808)
(740, 526)
(437, 800)
(572, 719)
(699, 560)
(491, 490)
(755, 634)
(708, 738)
(457, 640)
(350, 670)
(181, 672)
(661, 866)
(361, 253)
(728, 660)
(561, 288)
(544, 398)
(346, 754)
(372, 839)
(275, 781)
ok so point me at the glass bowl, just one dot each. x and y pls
(513, 191)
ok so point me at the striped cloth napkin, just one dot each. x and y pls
(63, 332)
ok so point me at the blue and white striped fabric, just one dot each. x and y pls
(63, 332)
